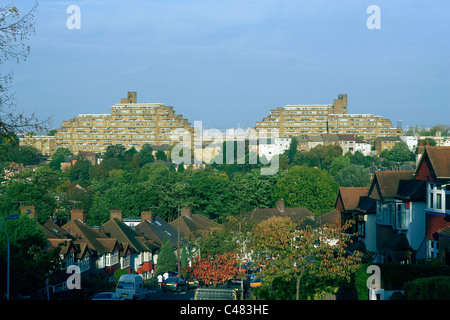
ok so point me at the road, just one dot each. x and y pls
(158, 294)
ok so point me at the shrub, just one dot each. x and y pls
(432, 288)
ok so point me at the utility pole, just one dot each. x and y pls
(178, 245)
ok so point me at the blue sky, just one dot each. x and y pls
(228, 62)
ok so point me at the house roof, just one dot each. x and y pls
(367, 205)
(333, 217)
(115, 228)
(158, 230)
(412, 190)
(296, 214)
(385, 183)
(315, 139)
(346, 137)
(349, 196)
(52, 230)
(439, 158)
(195, 226)
(96, 241)
(395, 138)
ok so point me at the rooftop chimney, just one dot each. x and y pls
(186, 212)
(116, 213)
(280, 205)
(146, 215)
(77, 214)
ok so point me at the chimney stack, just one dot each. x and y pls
(116, 213)
(77, 214)
(146, 215)
(280, 205)
(186, 212)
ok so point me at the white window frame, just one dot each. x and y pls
(435, 191)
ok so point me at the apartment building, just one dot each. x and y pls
(130, 123)
(46, 144)
(293, 120)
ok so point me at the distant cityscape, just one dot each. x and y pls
(134, 124)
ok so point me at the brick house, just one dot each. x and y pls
(434, 169)
(106, 251)
(140, 259)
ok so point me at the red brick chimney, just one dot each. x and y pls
(146, 215)
(116, 213)
(77, 214)
(186, 212)
(280, 205)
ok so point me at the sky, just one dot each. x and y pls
(227, 63)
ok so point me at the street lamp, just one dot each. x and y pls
(10, 217)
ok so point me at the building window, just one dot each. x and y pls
(432, 249)
(438, 197)
(402, 216)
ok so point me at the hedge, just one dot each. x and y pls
(432, 288)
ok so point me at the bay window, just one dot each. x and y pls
(438, 197)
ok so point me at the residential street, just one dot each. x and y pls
(158, 294)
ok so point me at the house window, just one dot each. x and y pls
(402, 216)
(438, 197)
(112, 258)
(432, 249)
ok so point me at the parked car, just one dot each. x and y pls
(237, 285)
(131, 286)
(194, 283)
(107, 296)
(174, 284)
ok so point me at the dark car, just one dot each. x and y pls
(174, 284)
(107, 296)
(238, 284)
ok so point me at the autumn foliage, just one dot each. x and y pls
(215, 270)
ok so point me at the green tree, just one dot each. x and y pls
(353, 176)
(58, 157)
(31, 262)
(303, 186)
(26, 154)
(338, 164)
(167, 259)
(38, 188)
(253, 190)
(292, 151)
(161, 155)
(146, 153)
(321, 156)
(400, 152)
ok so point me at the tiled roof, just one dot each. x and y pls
(440, 160)
(385, 183)
(96, 241)
(195, 226)
(158, 230)
(412, 190)
(124, 234)
(350, 196)
(367, 205)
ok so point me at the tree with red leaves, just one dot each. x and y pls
(215, 270)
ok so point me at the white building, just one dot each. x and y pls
(273, 147)
(411, 141)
